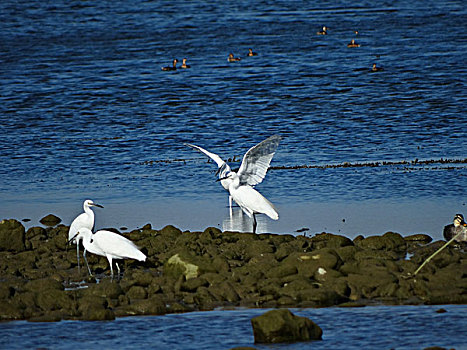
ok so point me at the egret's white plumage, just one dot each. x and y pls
(223, 168)
(109, 244)
(252, 171)
(250, 200)
(86, 220)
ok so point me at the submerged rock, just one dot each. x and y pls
(50, 220)
(280, 326)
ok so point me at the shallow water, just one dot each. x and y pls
(86, 111)
(376, 327)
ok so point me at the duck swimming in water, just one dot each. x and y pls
(458, 227)
(184, 65)
(324, 31)
(251, 53)
(353, 44)
(376, 69)
(173, 67)
(232, 58)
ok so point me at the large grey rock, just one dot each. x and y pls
(12, 235)
(280, 326)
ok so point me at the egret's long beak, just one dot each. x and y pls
(222, 178)
(97, 205)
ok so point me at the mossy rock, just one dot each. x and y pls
(192, 284)
(35, 237)
(106, 289)
(281, 270)
(225, 292)
(389, 241)
(370, 283)
(44, 284)
(50, 220)
(329, 240)
(308, 263)
(418, 238)
(187, 265)
(347, 253)
(12, 236)
(320, 297)
(10, 310)
(170, 232)
(137, 292)
(279, 326)
(53, 299)
(99, 315)
(293, 246)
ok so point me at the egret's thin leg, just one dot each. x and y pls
(254, 223)
(118, 268)
(86, 260)
(111, 269)
(77, 255)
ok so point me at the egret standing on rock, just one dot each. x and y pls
(108, 244)
(86, 220)
(252, 171)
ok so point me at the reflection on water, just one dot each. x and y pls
(236, 220)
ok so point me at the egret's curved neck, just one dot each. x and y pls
(88, 210)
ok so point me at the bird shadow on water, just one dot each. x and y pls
(237, 220)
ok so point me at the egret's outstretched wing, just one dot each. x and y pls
(223, 166)
(213, 156)
(256, 161)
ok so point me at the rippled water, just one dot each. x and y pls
(86, 111)
(378, 327)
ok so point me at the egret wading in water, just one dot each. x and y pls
(108, 244)
(252, 171)
(86, 220)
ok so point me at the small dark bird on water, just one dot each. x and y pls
(173, 67)
(184, 65)
(252, 53)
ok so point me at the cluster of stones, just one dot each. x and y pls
(187, 271)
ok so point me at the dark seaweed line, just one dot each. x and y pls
(372, 164)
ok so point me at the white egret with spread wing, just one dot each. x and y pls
(108, 244)
(86, 220)
(252, 171)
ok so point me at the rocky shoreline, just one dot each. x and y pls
(188, 271)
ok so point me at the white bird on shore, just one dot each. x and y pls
(85, 219)
(108, 244)
(252, 171)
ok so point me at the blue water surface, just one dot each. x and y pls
(376, 327)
